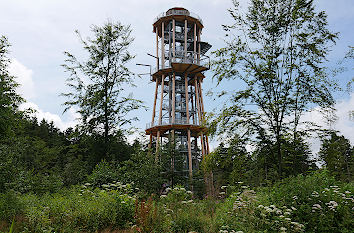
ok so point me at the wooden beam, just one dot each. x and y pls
(197, 100)
(173, 98)
(154, 107)
(199, 46)
(157, 146)
(187, 96)
(193, 109)
(161, 100)
(174, 39)
(153, 111)
(163, 45)
(190, 165)
(185, 39)
(199, 113)
(195, 42)
(157, 49)
(201, 100)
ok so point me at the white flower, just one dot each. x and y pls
(260, 206)
(163, 196)
(278, 211)
(295, 197)
(223, 187)
(293, 208)
(283, 229)
(288, 219)
(316, 206)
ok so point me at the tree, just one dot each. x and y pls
(337, 154)
(98, 82)
(9, 99)
(277, 49)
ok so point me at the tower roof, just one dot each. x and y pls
(178, 13)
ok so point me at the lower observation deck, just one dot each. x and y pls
(182, 63)
(152, 129)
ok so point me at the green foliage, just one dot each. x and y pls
(103, 173)
(277, 49)
(144, 172)
(98, 83)
(9, 99)
(71, 210)
(310, 203)
(10, 205)
(337, 153)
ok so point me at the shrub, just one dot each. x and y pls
(103, 173)
(10, 206)
(78, 209)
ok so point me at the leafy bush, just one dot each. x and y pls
(312, 203)
(319, 202)
(74, 210)
(10, 205)
(103, 173)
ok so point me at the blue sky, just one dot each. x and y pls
(41, 30)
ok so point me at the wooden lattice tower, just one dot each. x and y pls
(178, 110)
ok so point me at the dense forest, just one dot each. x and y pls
(90, 179)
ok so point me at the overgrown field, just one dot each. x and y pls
(313, 203)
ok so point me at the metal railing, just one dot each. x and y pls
(182, 57)
(178, 12)
(177, 122)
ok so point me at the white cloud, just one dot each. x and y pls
(58, 121)
(24, 78)
(344, 124)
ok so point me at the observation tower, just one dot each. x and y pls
(178, 110)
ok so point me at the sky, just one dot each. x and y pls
(41, 30)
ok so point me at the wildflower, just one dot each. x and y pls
(315, 194)
(244, 187)
(239, 231)
(347, 192)
(278, 211)
(283, 229)
(190, 201)
(260, 206)
(183, 202)
(288, 219)
(240, 182)
(326, 189)
(189, 192)
(332, 205)
(163, 196)
(168, 189)
(182, 189)
(287, 213)
(272, 206)
(295, 197)
(281, 216)
(223, 187)
(293, 208)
